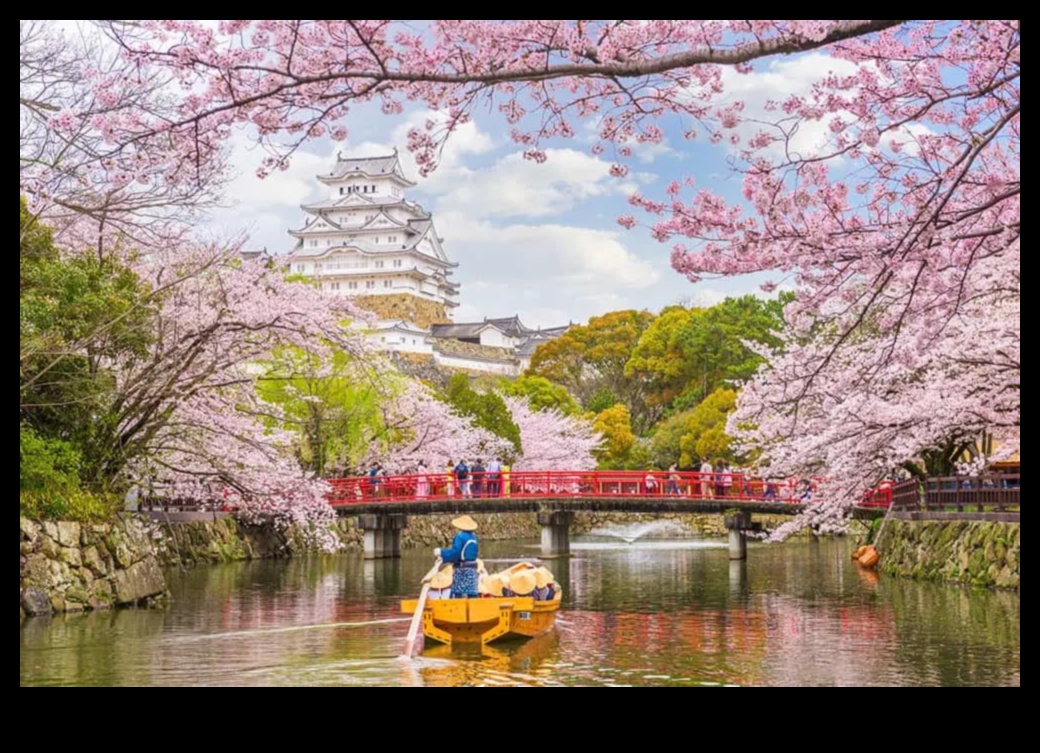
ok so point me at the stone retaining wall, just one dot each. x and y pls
(67, 566)
(979, 553)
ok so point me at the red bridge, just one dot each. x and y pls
(382, 504)
(731, 487)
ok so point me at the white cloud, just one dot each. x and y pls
(552, 268)
(515, 187)
(266, 209)
(779, 80)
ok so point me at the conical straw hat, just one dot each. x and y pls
(542, 577)
(443, 578)
(493, 584)
(465, 523)
(522, 583)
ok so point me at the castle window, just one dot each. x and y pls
(391, 239)
(370, 284)
(397, 262)
(386, 283)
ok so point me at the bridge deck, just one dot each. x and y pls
(458, 505)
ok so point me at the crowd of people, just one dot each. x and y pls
(720, 479)
(707, 479)
(460, 479)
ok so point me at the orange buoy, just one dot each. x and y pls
(870, 557)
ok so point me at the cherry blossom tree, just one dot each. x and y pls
(91, 185)
(186, 419)
(551, 440)
(899, 230)
(419, 427)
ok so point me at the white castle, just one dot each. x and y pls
(366, 240)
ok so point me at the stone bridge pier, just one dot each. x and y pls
(382, 534)
(556, 531)
(738, 523)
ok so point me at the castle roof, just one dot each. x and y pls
(372, 167)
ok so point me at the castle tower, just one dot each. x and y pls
(366, 240)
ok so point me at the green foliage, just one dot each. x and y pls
(689, 436)
(486, 409)
(601, 400)
(46, 464)
(590, 358)
(615, 425)
(540, 393)
(79, 504)
(688, 353)
(333, 404)
(78, 314)
(664, 444)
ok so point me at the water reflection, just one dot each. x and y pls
(646, 613)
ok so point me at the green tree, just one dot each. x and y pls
(686, 354)
(78, 315)
(540, 393)
(615, 425)
(486, 409)
(590, 358)
(700, 432)
(333, 403)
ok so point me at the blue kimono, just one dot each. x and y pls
(463, 554)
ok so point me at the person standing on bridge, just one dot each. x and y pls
(449, 479)
(463, 555)
(673, 480)
(494, 477)
(422, 484)
(707, 481)
(462, 477)
(477, 472)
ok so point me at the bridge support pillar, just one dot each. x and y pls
(556, 531)
(382, 535)
(738, 523)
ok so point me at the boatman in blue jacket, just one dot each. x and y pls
(463, 555)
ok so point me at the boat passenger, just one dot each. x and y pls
(440, 584)
(463, 554)
(495, 586)
(522, 583)
(506, 590)
(545, 586)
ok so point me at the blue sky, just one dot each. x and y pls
(538, 240)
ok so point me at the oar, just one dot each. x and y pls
(420, 605)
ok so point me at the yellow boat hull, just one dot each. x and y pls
(481, 621)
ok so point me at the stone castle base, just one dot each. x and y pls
(410, 308)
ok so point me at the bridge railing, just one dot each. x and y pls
(996, 492)
(532, 484)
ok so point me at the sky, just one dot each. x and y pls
(541, 241)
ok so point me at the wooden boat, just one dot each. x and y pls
(480, 621)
